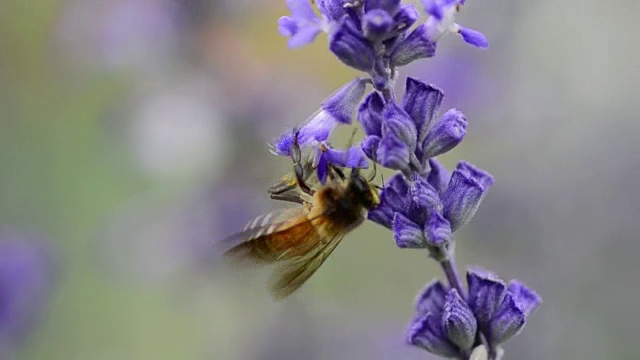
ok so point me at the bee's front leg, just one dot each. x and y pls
(288, 197)
(298, 169)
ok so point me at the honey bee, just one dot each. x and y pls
(298, 240)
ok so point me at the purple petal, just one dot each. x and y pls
(304, 36)
(322, 167)
(474, 37)
(508, 320)
(433, 8)
(398, 186)
(287, 26)
(344, 101)
(370, 114)
(333, 9)
(377, 24)
(392, 200)
(486, 292)
(431, 299)
(416, 46)
(369, 146)
(406, 233)
(397, 121)
(458, 321)
(426, 332)
(390, 6)
(526, 299)
(422, 101)
(353, 157)
(301, 10)
(423, 200)
(302, 26)
(382, 215)
(282, 146)
(348, 44)
(445, 135)
(317, 129)
(467, 188)
(393, 153)
(437, 230)
(438, 176)
(405, 18)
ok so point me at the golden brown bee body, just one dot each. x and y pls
(299, 240)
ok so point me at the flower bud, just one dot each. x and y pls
(348, 44)
(458, 321)
(467, 188)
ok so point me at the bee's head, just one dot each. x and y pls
(364, 192)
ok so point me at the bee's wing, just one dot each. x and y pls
(298, 244)
(298, 266)
(263, 226)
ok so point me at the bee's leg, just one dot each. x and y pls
(288, 197)
(339, 172)
(296, 156)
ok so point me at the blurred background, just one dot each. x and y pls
(133, 135)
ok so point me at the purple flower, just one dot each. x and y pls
(349, 44)
(438, 176)
(377, 24)
(426, 330)
(303, 25)
(383, 19)
(370, 114)
(458, 321)
(417, 45)
(336, 109)
(26, 277)
(398, 141)
(501, 310)
(446, 324)
(467, 188)
(406, 233)
(437, 230)
(422, 101)
(445, 135)
(442, 21)
(333, 10)
(422, 206)
(352, 157)
(393, 199)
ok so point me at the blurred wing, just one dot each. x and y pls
(268, 237)
(298, 265)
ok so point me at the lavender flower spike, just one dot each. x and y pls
(422, 206)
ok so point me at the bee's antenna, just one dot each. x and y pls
(353, 135)
(373, 175)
